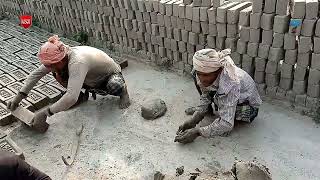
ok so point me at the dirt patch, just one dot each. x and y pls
(240, 171)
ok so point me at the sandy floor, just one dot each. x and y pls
(120, 144)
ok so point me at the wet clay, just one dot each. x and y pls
(153, 109)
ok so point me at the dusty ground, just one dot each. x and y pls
(120, 144)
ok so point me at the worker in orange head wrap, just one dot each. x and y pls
(74, 68)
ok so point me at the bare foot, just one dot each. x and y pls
(124, 100)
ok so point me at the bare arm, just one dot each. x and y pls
(77, 75)
(33, 78)
(225, 122)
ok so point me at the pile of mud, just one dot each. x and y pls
(240, 171)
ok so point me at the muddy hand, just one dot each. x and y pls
(190, 110)
(39, 121)
(186, 125)
(12, 105)
(188, 136)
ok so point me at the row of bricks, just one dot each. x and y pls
(298, 87)
(280, 24)
(264, 50)
(277, 92)
(270, 72)
(308, 9)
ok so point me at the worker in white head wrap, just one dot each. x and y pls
(221, 83)
(209, 60)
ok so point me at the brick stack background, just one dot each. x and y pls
(18, 49)
(284, 61)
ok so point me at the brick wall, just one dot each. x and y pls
(283, 60)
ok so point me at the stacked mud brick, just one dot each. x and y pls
(18, 49)
(285, 58)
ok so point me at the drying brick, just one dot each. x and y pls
(305, 44)
(308, 27)
(317, 31)
(203, 14)
(255, 20)
(312, 9)
(300, 73)
(257, 6)
(270, 6)
(313, 90)
(232, 30)
(290, 41)
(213, 30)
(300, 100)
(267, 37)
(272, 67)
(244, 17)
(234, 12)
(245, 34)
(236, 57)
(286, 83)
(204, 27)
(196, 27)
(286, 70)
(212, 14)
(315, 61)
(260, 64)
(263, 51)
(299, 9)
(196, 14)
(222, 29)
(277, 40)
(299, 87)
(303, 59)
(267, 21)
(241, 47)
(231, 43)
(222, 12)
(193, 38)
(259, 76)
(276, 54)
(272, 80)
(282, 7)
(255, 35)
(314, 76)
(220, 43)
(281, 24)
(291, 56)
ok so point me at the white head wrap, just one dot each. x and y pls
(209, 60)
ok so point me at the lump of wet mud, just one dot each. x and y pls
(153, 109)
(158, 176)
(251, 171)
(240, 171)
(179, 171)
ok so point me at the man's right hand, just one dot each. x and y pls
(14, 103)
(187, 125)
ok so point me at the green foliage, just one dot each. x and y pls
(81, 37)
(36, 23)
(316, 117)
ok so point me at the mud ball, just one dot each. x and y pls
(251, 171)
(153, 109)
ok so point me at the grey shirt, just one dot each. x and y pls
(87, 65)
(229, 94)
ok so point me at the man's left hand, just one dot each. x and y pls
(39, 121)
(187, 136)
